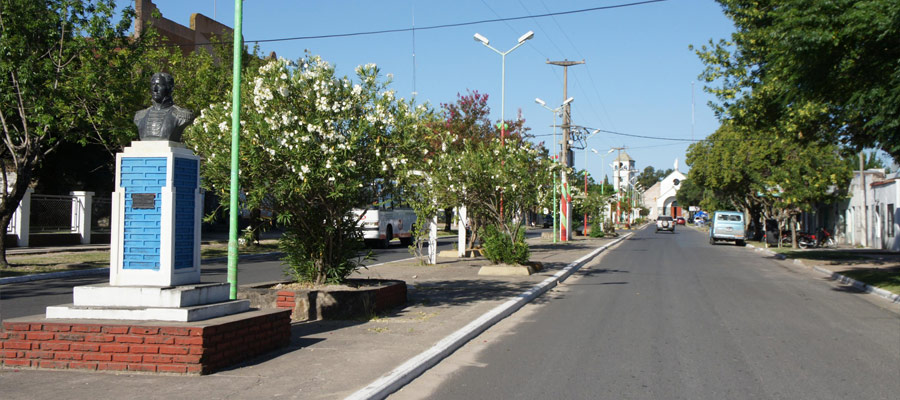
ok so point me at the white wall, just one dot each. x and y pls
(883, 228)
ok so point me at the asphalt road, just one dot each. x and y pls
(32, 298)
(668, 316)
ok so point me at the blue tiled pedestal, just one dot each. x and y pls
(156, 211)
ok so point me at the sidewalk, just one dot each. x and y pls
(335, 359)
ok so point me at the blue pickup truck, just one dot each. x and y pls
(727, 225)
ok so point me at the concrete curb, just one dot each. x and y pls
(105, 271)
(895, 298)
(857, 284)
(54, 275)
(412, 368)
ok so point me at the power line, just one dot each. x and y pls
(769, 139)
(441, 26)
(644, 136)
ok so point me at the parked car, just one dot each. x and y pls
(727, 225)
(665, 223)
(679, 221)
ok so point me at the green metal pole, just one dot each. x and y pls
(555, 210)
(235, 147)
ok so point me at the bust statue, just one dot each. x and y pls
(163, 120)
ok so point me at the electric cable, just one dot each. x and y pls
(431, 27)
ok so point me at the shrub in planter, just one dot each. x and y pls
(597, 229)
(499, 247)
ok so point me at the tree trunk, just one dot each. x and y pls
(448, 218)
(255, 226)
(473, 225)
(10, 203)
(793, 232)
(320, 271)
(4, 223)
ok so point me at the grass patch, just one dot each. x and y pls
(885, 275)
(52, 262)
(887, 279)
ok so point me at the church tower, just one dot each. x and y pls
(623, 172)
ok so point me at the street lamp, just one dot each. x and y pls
(554, 111)
(486, 43)
(603, 168)
(556, 147)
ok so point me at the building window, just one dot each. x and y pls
(890, 220)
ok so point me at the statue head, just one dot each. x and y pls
(161, 85)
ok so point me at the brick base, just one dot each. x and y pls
(358, 298)
(142, 346)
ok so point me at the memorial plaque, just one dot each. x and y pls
(144, 201)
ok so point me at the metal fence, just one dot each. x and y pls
(54, 214)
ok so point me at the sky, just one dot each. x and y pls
(639, 76)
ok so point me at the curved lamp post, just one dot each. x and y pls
(486, 43)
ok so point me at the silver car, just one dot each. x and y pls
(665, 223)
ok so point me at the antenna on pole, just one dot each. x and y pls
(414, 93)
(692, 110)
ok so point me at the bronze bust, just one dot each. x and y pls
(163, 120)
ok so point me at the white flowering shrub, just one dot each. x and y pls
(312, 146)
(477, 173)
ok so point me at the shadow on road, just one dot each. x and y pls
(47, 287)
(464, 291)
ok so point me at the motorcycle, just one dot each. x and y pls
(806, 240)
(823, 239)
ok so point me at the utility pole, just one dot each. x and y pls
(565, 198)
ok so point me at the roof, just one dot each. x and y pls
(623, 156)
(884, 182)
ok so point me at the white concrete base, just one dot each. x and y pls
(180, 314)
(448, 254)
(105, 295)
(505, 270)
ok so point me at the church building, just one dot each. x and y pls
(660, 198)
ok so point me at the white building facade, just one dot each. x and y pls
(871, 220)
(624, 172)
(660, 198)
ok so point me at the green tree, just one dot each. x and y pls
(825, 70)
(689, 194)
(650, 176)
(68, 73)
(781, 177)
